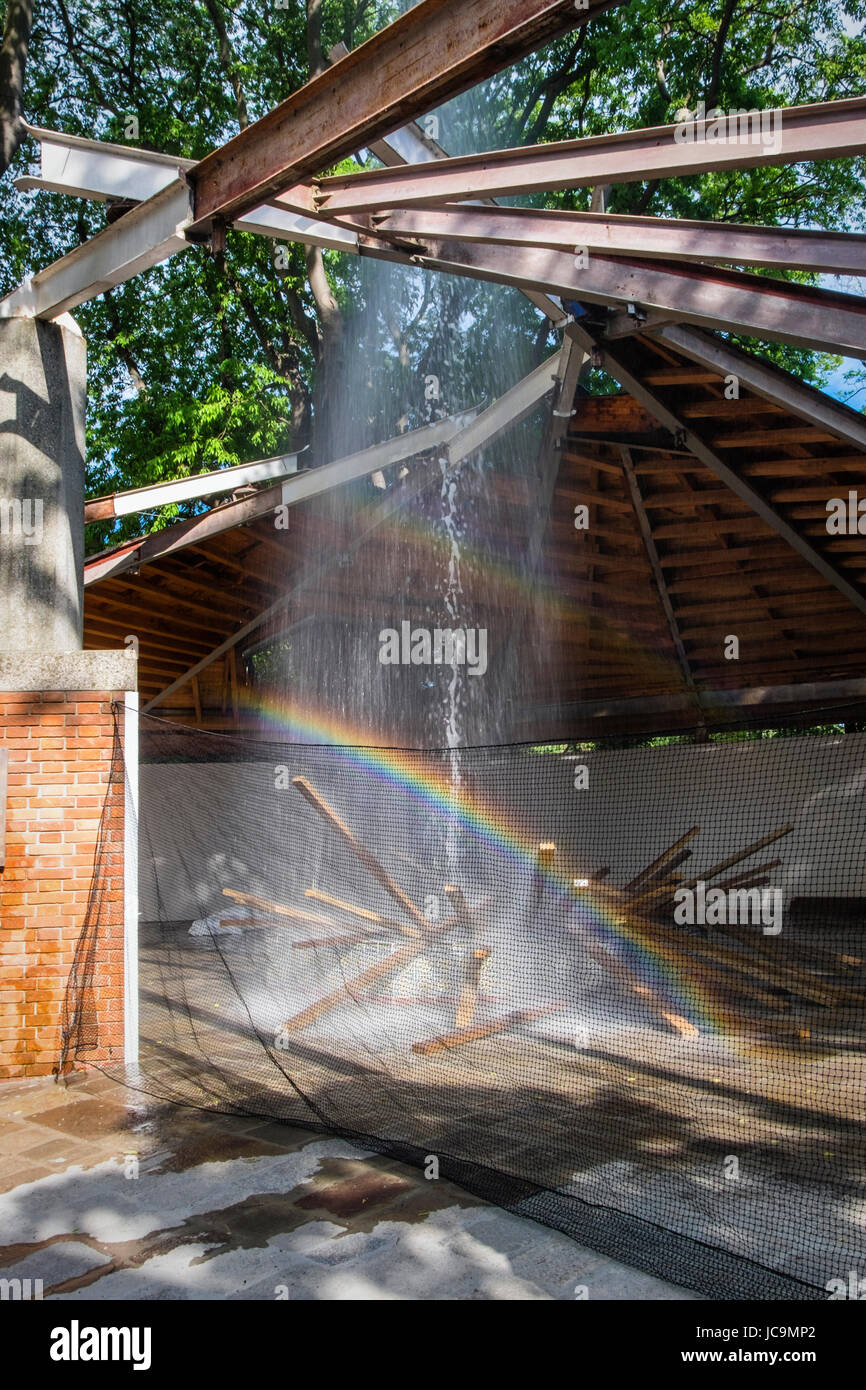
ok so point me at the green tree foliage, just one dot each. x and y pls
(214, 359)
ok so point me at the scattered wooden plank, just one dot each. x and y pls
(351, 988)
(657, 890)
(469, 989)
(740, 880)
(665, 873)
(366, 856)
(732, 859)
(277, 909)
(446, 1041)
(363, 912)
(662, 859)
(249, 922)
(355, 939)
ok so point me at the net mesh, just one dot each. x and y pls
(620, 991)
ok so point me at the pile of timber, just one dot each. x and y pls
(776, 988)
(782, 988)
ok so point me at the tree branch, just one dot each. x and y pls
(227, 59)
(123, 351)
(715, 83)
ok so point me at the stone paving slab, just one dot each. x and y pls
(107, 1194)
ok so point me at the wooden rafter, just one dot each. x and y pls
(655, 565)
(616, 365)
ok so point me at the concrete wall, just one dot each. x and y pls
(42, 399)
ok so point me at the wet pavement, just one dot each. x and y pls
(106, 1193)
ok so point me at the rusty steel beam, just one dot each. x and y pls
(826, 130)
(433, 52)
(711, 297)
(835, 253)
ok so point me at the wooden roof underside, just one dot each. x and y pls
(635, 609)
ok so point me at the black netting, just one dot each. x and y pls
(480, 956)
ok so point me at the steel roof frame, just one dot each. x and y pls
(256, 183)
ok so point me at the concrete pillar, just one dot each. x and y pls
(42, 403)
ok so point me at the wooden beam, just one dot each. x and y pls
(351, 988)
(658, 572)
(744, 698)
(361, 852)
(706, 874)
(445, 1042)
(364, 913)
(662, 860)
(767, 380)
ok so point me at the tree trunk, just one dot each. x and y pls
(13, 60)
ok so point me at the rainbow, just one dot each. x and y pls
(417, 778)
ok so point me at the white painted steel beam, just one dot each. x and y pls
(145, 236)
(510, 408)
(458, 435)
(462, 435)
(100, 170)
(103, 172)
(143, 499)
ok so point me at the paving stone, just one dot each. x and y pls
(229, 1207)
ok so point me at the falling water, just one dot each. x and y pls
(421, 347)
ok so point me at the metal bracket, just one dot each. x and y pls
(620, 324)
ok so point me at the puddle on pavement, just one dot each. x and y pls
(355, 1194)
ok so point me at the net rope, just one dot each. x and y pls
(619, 991)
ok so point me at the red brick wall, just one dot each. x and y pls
(64, 837)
